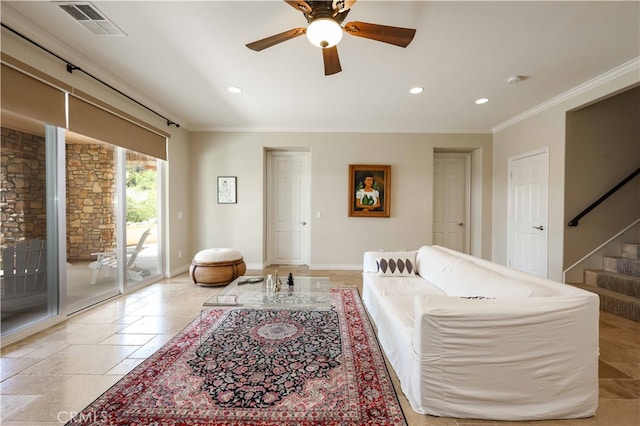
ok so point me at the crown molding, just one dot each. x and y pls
(632, 65)
(335, 130)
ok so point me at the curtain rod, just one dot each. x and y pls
(71, 68)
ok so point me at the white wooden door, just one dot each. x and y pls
(450, 201)
(288, 208)
(527, 228)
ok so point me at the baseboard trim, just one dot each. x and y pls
(320, 267)
(255, 265)
(337, 267)
(179, 270)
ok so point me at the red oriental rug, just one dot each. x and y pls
(260, 367)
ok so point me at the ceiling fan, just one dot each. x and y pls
(325, 30)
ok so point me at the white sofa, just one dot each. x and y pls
(469, 338)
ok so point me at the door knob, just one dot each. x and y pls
(303, 223)
(460, 224)
(539, 228)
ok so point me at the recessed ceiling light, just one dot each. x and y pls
(482, 101)
(416, 90)
(234, 89)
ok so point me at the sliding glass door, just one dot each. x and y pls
(28, 288)
(112, 221)
(80, 220)
(142, 181)
(92, 218)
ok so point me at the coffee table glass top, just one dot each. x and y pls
(307, 292)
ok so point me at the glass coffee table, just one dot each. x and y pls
(306, 293)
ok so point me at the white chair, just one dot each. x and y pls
(23, 278)
(109, 261)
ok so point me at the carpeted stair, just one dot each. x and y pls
(618, 284)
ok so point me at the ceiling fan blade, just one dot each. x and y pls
(393, 35)
(331, 60)
(299, 5)
(275, 39)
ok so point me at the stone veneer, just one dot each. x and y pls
(23, 194)
(90, 184)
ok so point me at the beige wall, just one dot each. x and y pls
(179, 203)
(196, 159)
(545, 129)
(337, 241)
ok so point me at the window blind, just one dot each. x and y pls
(42, 99)
(90, 120)
(29, 97)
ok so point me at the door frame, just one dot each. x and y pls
(467, 193)
(510, 202)
(268, 206)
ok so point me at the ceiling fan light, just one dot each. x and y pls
(324, 32)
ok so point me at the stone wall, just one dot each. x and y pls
(23, 194)
(91, 186)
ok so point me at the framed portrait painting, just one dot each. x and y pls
(227, 192)
(369, 190)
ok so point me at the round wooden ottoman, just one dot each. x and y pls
(216, 266)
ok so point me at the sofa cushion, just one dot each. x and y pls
(466, 279)
(396, 286)
(432, 263)
(396, 264)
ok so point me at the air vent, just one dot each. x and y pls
(91, 18)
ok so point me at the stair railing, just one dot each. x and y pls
(592, 252)
(575, 220)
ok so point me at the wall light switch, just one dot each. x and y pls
(318, 214)
(179, 215)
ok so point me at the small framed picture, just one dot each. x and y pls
(227, 192)
(369, 190)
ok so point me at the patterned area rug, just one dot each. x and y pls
(260, 367)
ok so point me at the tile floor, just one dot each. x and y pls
(49, 376)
